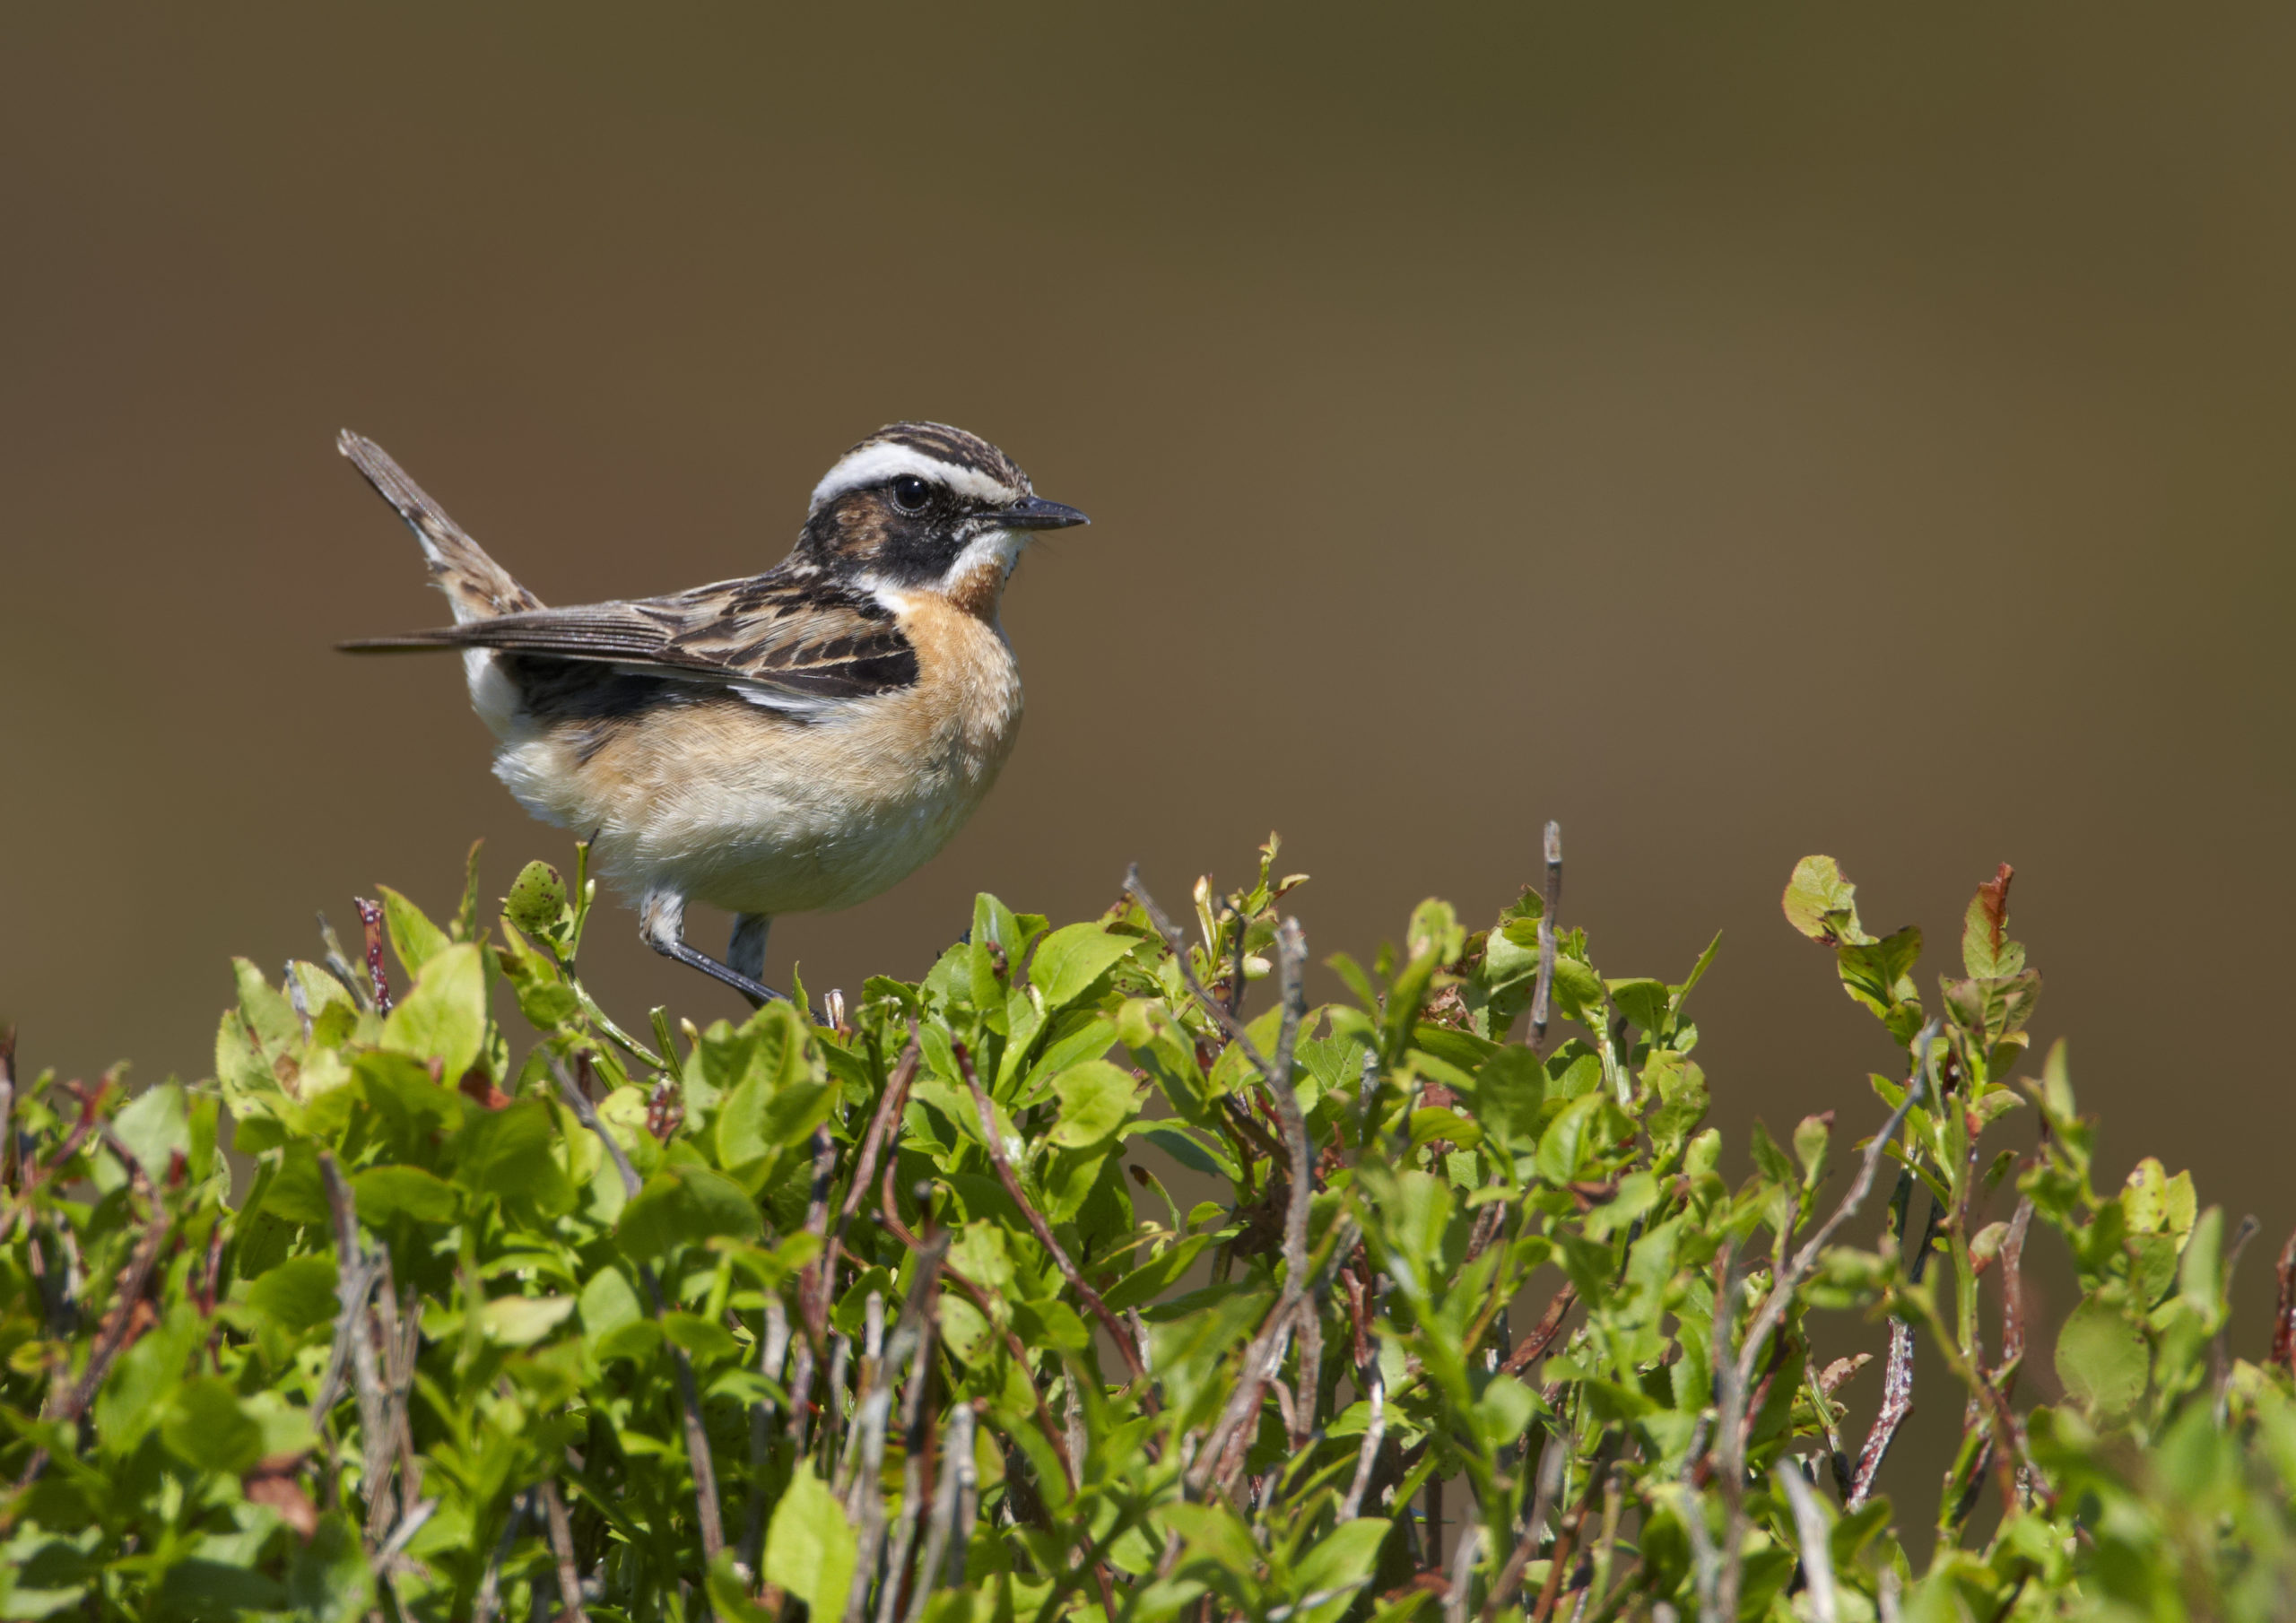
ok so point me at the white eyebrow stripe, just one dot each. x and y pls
(875, 464)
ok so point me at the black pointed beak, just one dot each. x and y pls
(1035, 512)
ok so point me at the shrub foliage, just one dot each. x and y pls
(1062, 1282)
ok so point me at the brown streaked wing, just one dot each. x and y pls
(807, 639)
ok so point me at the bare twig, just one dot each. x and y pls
(1543, 992)
(338, 965)
(1236, 972)
(949, 1529)
(370, 922)
(1463, 1560)
(417, 1515)
(120, 1325)
(1820, 1403)
(1226, 1019)
(872, 1364)
(813, 1279)
(889, 1108)
(2013, 1294)
(1566, 1543)
(773, 1350)
(921, 1313)
(1527, 1546)
(357, 1275)
(1222, 1455)
(2284, 1321)
(397, 1344)
(1598, 1588)
(2219, 1350)
(1897, 1370)
(1374, 1432)
(1897, 1404)
(1291, 956)
(840, 1357)
(1043, 1230)
(1736, 1374)
(1023, 1360)
(1533, 1346)
(911, 1344)
(490, 1586)
(1781, 1298)
(7, 1106)
(33, 1172)
(561, 1546)
(1817, 1553)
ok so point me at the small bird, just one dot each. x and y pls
(791, 742)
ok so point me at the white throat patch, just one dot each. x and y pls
(875, 464)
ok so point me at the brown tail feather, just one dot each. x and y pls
(474, 584)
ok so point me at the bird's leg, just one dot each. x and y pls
(661, 920)
(745, 952)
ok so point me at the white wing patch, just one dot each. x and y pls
(804, 706)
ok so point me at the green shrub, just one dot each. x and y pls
(919, 1311)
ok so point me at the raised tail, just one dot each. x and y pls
(477, 586)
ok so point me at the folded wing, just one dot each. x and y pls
(797, 646)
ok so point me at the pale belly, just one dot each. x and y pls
(744, 809)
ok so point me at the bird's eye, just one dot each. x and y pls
(911, 493)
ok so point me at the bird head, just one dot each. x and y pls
(921, 507)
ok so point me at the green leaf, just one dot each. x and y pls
(385, 1192)
(683, 1206)
(2102, 1357)
(206, 1427)
(156, 1126)
(608, 1304)
(444, 1017)
(810, 1548)
(1187, 1151)
(1345, 1559)
(1986, 951)
(413, 937)
(965, 1332)
(133, 1399)
(1503, 1412)
(1212, 1530)
(1570, 1139)
(297, 1191)
(703, 1337)
(1151, 1278)
(1811, 1137)
(416, 1111)
(1071, 959)
(1647, 1004)
(299, 1293)
(1579, 991)
(1879, 974)
(1681, 1087)
(507, 1153)
(1509, 1092)
(774, 1084)
(2153, 1202)
(521, 1321)
(329, 1580)
(1822, 904)
(1096, 1098)
(979, 1252)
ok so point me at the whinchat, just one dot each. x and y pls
(791, 742)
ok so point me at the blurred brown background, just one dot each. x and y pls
(1737, 436)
